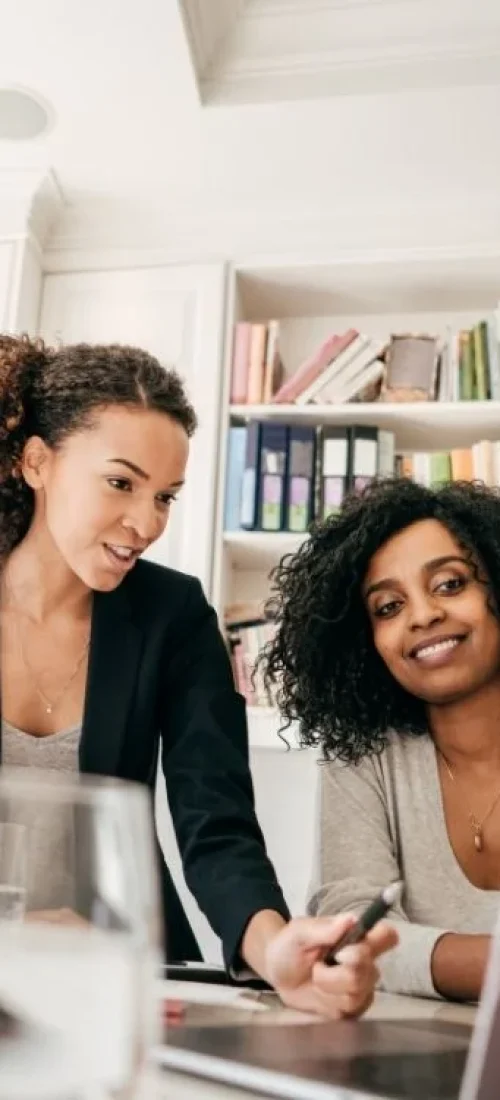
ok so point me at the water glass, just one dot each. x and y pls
(78, 973)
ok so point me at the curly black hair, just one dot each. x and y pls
(322, 665)
(52, 392)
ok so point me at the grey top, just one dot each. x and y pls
(381, 820)
(50, 828)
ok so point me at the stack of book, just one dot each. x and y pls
(257, 369)
(280, 477)
(247, 632)
(470, 363)
(351, 366)
(480, 462)
(344, 367)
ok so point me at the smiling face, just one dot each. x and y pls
(104, 495)
(429, 614)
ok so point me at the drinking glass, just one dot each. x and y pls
(78, 973)
(12, 871)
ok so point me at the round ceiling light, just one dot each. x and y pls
(23, 116)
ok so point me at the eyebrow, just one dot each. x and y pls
(434, 563)
(141, 473)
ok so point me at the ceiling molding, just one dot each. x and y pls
(260, 9)
(206, 27)
(108, 235)
(30, 202)
(291, 49)
(46, 207)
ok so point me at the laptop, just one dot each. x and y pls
(350, 1059)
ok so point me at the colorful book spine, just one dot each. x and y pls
(241, 362)
(251, 477)
(273, 463)
(299, 510)
(256, 368)
(333, 470)
(313, 367)
(236, 452)
(493, 358)
(363, 456)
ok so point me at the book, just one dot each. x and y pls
(386, 453)
(353, 374)
(333, 470)
(480, 338)
(235, 466)
(258, 346)
(251, 477)
(352, 344)
(273, 366)
(363, 457)
(272, 475)
(312, 368)
(240, 363)
(299, 497)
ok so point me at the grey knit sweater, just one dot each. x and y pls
(381, 820)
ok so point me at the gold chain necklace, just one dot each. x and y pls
(49, 705)
(476, 824)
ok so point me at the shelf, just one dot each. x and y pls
(260, 550)
(372, 282)
(419, 425)
(263, 726)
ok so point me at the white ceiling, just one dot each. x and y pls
(200, 112)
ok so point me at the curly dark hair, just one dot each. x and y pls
(52, 392)
(322, 664)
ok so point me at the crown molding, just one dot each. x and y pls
(261, 9)
(206, 27)
(30, 202)
(290, 49)
(46, 207)
(114, 235)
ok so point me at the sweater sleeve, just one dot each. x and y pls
(357, 859)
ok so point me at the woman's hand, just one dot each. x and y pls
(293, 965)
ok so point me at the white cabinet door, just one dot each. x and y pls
(20, 286)
(176, 313)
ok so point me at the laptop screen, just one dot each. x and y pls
(405, 1061)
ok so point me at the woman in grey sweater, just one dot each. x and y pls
(387, 653)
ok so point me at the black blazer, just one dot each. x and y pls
(159, 678)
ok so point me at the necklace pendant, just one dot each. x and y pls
(48, 709)
(478, 841)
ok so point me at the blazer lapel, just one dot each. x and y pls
(113, 659)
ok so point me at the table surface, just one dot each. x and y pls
(166, 1085)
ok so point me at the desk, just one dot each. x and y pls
(166, 1085)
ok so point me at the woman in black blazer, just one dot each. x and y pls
(125, 659)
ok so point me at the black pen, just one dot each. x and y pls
(374, 912)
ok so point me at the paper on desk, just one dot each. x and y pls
(205, 994)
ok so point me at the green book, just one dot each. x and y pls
(466, 367)
(440, 467)
(480, 364)
(485, 352)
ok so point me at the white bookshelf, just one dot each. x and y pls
(413, 293)
(418, 425)
(264, 724)
(258, 550)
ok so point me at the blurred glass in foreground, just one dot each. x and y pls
(79, 936)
